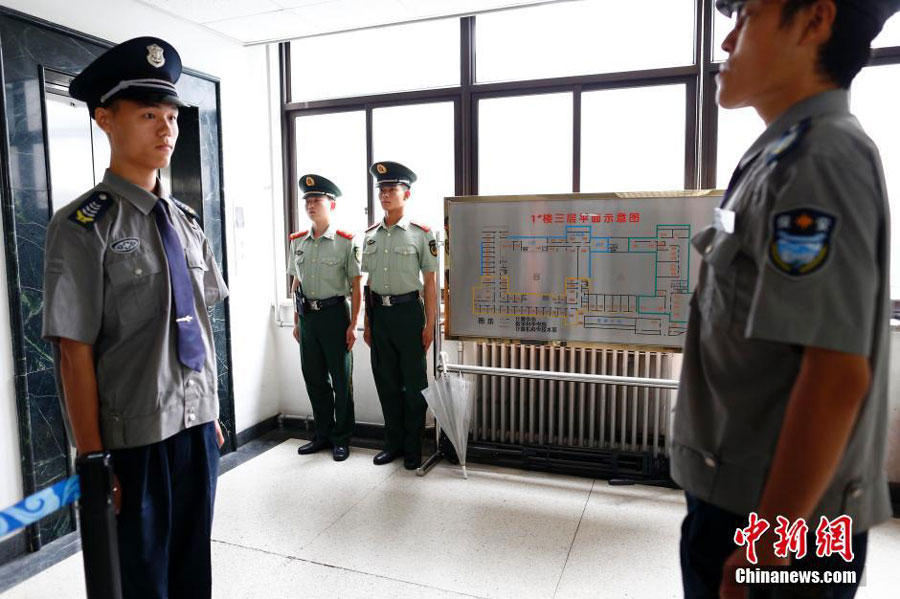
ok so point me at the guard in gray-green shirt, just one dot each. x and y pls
(324, 264)
(782, 406)
(401, 259)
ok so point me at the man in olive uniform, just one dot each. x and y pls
(128, 277)
(324, 262)
(395, 252)
(782, 407)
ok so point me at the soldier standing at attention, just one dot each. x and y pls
(395, 252)
(782, 408)
(324, 263)
(128, 277)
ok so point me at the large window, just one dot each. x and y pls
(874, 102)
(420, 137)
(633, 139)
(525, 145)
(334, 146)
(373, 61)
(590, 96)
(581, 38)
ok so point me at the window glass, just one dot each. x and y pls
(525, 144)
(874, 102)
(737, 130)
(374, 61)
(633, 139)
(421, 137)
(890, 35)
(334, 146)
(580, 38)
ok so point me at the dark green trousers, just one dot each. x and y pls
(328, 372)
(398, 363)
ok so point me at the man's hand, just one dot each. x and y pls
(427, 336)
(765, 556)
(367, 335)
(350, 336)
(220, 438)
(297, 332)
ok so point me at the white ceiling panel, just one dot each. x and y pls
(261, 21)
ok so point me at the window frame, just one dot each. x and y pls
(701, 118)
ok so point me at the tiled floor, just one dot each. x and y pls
(291, 526)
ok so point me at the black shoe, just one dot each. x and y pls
(411, 462)
(312, 447)
(386, 457)
(340, 453)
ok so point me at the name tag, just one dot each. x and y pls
(724, 220)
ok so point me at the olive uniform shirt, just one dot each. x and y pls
(325, 266)
(804, 264)
(394, 256)
(106, 284)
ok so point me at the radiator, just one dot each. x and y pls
(583, 415)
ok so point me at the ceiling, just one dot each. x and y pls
(264, 21)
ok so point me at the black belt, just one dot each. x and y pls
(311, 305)
(387, 301)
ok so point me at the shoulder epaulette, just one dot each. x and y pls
(425, 228)
(91, 209)
(345, 234)
(375, 226)
(185, 208)
(294, 236)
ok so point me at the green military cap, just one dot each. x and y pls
(875, 12)
(312, 185)
(392, 173)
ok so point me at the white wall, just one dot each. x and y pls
(247, 172)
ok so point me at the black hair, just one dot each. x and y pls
(847, 51)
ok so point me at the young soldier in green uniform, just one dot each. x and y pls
(782, 408)
(324, 262)
(395, 252)
(128, 277)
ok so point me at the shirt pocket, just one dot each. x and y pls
(138, 286)
(719, 251)
(198, 268)
(407, 258)
(368, 258)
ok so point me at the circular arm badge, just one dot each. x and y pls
(801, 241)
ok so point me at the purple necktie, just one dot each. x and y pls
(191, 351)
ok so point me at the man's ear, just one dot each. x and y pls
(820, 21)
(102, 117)
(333, 205)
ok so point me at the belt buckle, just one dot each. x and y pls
(314, 304)
(386, 301)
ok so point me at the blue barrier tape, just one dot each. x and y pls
(43, 503)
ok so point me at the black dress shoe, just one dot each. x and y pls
(411, 462)
(312, 447)
(385, 457)
(340, 453)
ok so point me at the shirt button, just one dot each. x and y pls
(385, 269)
(192, 417)
(710, 462)
(389, 234)
(190, 383)
(856, 493)
(385, 251)
(708, 249)
(138, 271)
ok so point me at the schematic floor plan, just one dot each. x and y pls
(606, 269)
(588, 279)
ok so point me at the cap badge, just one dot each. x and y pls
(381, 169)
(155, 56)
(310, 181)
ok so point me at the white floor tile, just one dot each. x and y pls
(627, 545)
(65, 580)
(501, 533)
(280, 501)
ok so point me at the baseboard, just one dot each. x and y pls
(13, 547)
(895, 498)
(257, 430)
